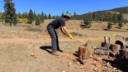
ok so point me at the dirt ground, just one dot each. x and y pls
(26, 51)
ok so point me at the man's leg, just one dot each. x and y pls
(53, 39)
(57, 41)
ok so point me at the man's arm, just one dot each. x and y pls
(64, 30)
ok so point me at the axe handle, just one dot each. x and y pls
(79, 40)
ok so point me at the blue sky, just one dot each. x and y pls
(56, 7)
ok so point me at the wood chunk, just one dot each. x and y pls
(83, 53)
(115, 48)
(104, 44)
(121, 43)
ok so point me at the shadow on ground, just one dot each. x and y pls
(117, 65)
(46, 48)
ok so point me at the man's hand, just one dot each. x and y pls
(70, 36)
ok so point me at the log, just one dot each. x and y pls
(104, 44)
(115, 48)
(121, 43)
(80, 52)
(124, 53)
(83, 53)
(102, 51)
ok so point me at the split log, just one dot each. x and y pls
(104, 44)
(121, 43)
(83, 53)
(124, 53)
(115, 48)
(103, 51)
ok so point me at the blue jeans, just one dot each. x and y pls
(54, 38)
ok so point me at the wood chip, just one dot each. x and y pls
(82, 66)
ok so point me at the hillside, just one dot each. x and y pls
(124, 10)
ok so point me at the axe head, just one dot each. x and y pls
(86, 44)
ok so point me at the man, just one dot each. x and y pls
(55, 24)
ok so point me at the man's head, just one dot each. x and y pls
(67, 17)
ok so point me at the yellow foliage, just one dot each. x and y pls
(23, 21)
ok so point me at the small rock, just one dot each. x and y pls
(95, 69)
(32, 54)
(105, 69)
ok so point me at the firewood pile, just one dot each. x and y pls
(107, 58)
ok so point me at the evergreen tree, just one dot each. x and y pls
(9, 14)
(19, 15)
(67, 12)
(120, 17)
(34, 15)
(42, 17)
(49, 16)
(23, 16)
(94, 16)
(86, 21)
(114, 18)
(54, 17)
(57, 16)
(37, 20)
(0, 15)
(39, 16)
(30, 17)
(74, 13)
(109, 25)
(120, 24)
(108, 16)
(45, 16)
(62, 14)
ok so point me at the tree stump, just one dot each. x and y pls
(83, 53)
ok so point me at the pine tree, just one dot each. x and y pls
(120, 24)
(23, 16)
(49, 16)
(74, 13)
(86, 21)
(54, 17)
(67, 12)
(57, 16)
(120, 17)
(19, 15)
(9, 14)
(30, 17)
(42, 17)
(108, 16)
(26, 15)
(109, 25)
(62, 14)
(94, 16)
(34, 15)
(0, 15)
(45, 16)
(114, 18)
(39, 16)
(37, 20)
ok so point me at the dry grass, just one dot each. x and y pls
(17, 45)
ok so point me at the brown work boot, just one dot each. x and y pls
(55, 53)
(59, 50)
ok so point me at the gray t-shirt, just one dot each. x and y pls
(58, 23)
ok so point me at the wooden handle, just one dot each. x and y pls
(79, 40)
